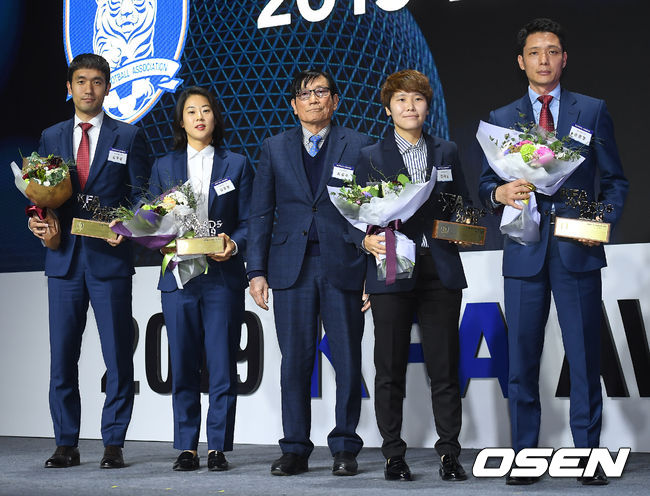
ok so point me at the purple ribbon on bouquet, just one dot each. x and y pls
(153, 242)
(391, 255)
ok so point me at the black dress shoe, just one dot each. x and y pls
(289, 464)
(512, 480)
(112, 458)
(63, 457)
(217, 461)
(451, 469)
(186, 462)
(598, 479)
(397, 469)
(345, 463)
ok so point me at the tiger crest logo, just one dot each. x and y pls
(142, 40)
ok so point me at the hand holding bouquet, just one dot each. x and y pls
(532, 154)
(157, 223)
(382, 207)
(44, 180)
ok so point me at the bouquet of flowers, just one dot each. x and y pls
(535, 155)
(157, 223)
(44, 180)
(382, 207)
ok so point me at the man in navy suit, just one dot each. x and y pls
(83, 269)
(433, 292)
(300, 246)
(569, 268)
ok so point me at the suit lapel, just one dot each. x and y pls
(220, 166)
(66, 150)
(393, 163)
(525, 110)
(333, 153)
(66, 138)
(434, 154)
(179, 169)
(569, 113)
(107, 136)
(294, 154)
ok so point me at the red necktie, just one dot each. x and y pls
(545, 116)
(83, 155)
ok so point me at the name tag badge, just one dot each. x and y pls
(342, 172)
(115, 155)
(443, 173)
(580, 134)
(223, 186)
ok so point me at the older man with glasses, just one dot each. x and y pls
(300, 246)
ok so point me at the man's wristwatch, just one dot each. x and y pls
(493, 197)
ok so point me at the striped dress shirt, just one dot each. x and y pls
(415, 159)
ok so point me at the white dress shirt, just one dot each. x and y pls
(199, 172)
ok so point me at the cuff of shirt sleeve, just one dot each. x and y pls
(255, 273)
(362, 247)
(236, 250)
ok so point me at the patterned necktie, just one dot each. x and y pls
(83, 155)
(545, 116)
(313, 145)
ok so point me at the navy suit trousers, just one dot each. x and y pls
(204, 317)
(296, 320)
(577, 298)
(68, 299)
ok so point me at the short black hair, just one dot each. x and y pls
(303, 78)
(89, 61)
(180, 135)
(540, 25)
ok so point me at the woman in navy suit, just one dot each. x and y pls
(206, 314)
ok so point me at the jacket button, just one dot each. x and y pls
(304, 233)
(314, 209)
(546, 212)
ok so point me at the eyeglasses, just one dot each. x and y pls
(305, 94)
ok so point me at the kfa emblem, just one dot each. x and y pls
(142, 40)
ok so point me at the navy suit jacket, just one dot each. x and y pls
(383, 160)
(230, 208)
(600, 157)
(114, 183)
(277, 246)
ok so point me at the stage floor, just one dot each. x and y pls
(149, 472)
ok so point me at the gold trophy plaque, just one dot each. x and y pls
(92, 229)
(200, 246)
(589, 224)
(101, 218)
(455, 231)
(466, 229)
(582, 229)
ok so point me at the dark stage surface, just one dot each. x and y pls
(149, 473)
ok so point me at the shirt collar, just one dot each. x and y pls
(208, 151)
(306, 134)
(555, 93)
(95, 121)
(403, 145)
